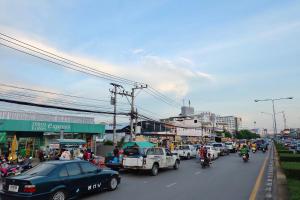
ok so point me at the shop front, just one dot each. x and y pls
(34, 135)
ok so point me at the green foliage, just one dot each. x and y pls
(246, 134)
(293, 187)
(285, 152)
(287, 157)
(228, 135)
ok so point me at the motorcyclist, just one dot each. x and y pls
(203, 154)
(254, 146)
(245, 151)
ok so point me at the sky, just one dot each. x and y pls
(219, 55)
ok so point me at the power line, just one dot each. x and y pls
(57, 107)
(82, 68)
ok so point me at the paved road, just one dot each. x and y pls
(228, 178)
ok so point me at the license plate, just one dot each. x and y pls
(202, 160)
(13, 188)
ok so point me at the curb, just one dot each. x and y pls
(281, 191)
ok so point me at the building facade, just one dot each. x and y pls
(35, 131)
(232, 123)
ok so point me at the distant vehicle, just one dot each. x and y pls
(231, 147)
(59, 180)
(221, 148)
(151, 159)
(211, 150)
(186, 151)
(298, 147)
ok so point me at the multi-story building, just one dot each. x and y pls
(233, 123)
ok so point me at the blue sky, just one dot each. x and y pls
(220, 55)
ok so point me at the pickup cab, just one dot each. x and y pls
(151, 159)
(186, 151)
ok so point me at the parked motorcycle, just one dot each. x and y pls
(9, 170)
(26, 164)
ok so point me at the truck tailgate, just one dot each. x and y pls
(133, 161)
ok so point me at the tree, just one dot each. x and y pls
(227, 134)
(246, 134)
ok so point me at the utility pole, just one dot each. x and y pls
(114, 103)
(133, 114)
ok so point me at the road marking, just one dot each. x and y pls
(258, 180)
(170, 185)
(197, 173)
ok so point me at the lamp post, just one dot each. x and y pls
(274, 117)
(284, 118)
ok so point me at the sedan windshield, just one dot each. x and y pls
(217, 145)
(183, 147)
(41, 170)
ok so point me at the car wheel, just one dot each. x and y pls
(113, 183)
(176, 165)
(58, 195)
(154, 170)
(188, 156)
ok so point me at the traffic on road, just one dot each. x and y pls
(76, 178)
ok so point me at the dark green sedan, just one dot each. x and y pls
(59, 180)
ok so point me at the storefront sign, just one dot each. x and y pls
(40, 126)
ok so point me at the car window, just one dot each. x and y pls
(63, 172)
(168, 152)
(42, 169)
(184, 147)
(73, 169)
(151, 151)
(217, 145)
(88, 167)
(159, 151)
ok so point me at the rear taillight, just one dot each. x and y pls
(29, 188)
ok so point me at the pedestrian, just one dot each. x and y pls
(66, 155)
(116, 151)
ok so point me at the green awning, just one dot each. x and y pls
(139, 144)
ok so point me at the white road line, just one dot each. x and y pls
(197, 173)
(170, 185)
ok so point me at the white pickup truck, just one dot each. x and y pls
(151, 159)
(186, 151)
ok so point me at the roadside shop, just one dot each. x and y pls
(34, 135)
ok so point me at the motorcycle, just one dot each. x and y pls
(245, 158)
(25, 164)
(264, 150)
(253, 150)
(9, 170)
(204, 162)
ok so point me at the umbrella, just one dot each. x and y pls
(14, 146)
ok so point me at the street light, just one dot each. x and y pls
(274, 117)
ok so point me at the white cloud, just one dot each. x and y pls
(138, 51)
(170, 76)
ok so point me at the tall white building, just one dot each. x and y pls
(233, 123)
